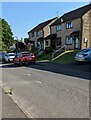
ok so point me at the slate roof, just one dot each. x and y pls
(41, 25)
(78, 13)
(51, 36)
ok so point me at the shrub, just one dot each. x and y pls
(48, 49)
(34, 49)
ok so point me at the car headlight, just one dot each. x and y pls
(79, 55)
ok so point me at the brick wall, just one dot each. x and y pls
(43, 33)
(46, 29)
(35, 37)
(90, 27)
(66, 32)
(86, 29)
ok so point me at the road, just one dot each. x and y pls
(47, 90)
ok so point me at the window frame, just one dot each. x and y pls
(47, 42)
(69, 25)
(32, 34)
(67, 42)
(38, 33)
(58, 27)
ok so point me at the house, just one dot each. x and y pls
(38, 33)
(72, 29)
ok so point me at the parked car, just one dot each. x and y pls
(2, 54)
(83, 55)
(24, 58)
(9, 57)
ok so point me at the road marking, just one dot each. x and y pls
(39, 82)
(30, 74)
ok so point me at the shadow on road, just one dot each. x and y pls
(72, 69)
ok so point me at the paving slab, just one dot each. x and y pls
(10, 109)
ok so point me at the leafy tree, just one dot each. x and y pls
(6, 33)
(26, 40)
(20, 46)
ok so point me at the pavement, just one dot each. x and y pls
(10, 109)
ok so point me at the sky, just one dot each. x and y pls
(23, 16)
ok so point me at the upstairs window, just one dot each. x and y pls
(33, 34)
(59, 28)
(68, 40)
(38, 33)
(69, 25)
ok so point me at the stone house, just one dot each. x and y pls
(38, 34)
(72, 29)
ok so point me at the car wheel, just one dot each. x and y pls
(20, 63)
(34, 62)
(15, 63)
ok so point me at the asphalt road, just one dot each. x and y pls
(47, 90)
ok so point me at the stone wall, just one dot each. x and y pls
(66, 32)
(86, 29)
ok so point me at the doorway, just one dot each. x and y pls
(76, 43)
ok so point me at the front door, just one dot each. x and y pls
(53, 43)
(76, 43)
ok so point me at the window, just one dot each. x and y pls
(69, 25)
(33, 34)
(59, 28)
(38, 33)
(58, 41)
(68, 40)
(47, 42)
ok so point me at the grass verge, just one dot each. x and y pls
(45, 56)
(66, 57)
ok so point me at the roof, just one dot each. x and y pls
(51, 36)
(40, 39)
(78, 13)
(42, 25)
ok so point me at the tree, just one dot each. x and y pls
(20, 46)
(26, 40)
(6, 33)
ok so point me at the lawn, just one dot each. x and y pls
(67, 57)
(45, 56)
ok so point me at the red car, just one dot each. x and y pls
(24, 58)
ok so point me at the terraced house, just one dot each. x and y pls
(38, 34)
(72, 29)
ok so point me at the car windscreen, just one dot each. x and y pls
(26, 54)
(11, 54)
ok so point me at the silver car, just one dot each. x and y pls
(9, 57)
(83, 55)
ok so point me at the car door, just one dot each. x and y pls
(6, 57)
(90, 55)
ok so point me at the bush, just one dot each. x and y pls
(34, 49)
(48, 49)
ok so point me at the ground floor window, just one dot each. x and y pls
(46, 42)
(68, 40)
(58, 41)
